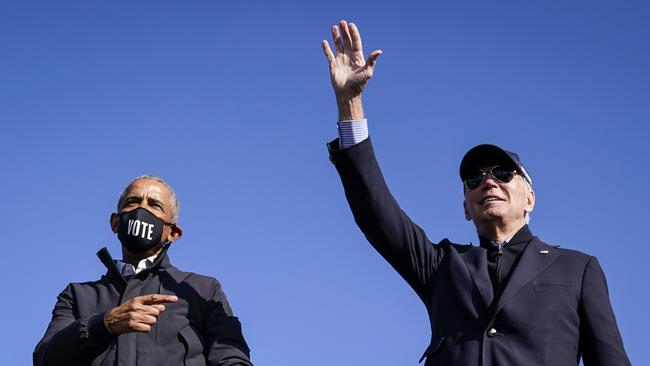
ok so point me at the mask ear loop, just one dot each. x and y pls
(171, 225)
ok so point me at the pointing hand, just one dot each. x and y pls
(137, 314)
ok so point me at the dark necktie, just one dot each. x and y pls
(495, 255)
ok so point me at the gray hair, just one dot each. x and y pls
(176, 207)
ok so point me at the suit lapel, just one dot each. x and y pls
(536, 257)
(476, 261)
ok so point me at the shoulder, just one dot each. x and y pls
(561, 249)
(76, 292)
(572, 257)
(84, 286)
(194, 286)
(447, 244)
(202, 284)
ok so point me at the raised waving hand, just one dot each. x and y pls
(349, 70)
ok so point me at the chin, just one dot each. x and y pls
(490, 215)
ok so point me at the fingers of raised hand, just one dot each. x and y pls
(338, 42)
(355, 37)
(345, 35)
(372, 58)
(327, 51)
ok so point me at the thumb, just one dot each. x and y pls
(372, 58)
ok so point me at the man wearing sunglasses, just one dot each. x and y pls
(513, 300)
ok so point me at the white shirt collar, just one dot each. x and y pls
(142, 265)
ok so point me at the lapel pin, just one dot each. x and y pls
(543, 251)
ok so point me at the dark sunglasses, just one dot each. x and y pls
(500, 173)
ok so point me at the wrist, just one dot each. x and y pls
(350, 107)
(106, 322)
(97, 331)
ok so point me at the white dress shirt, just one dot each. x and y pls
(142, 265)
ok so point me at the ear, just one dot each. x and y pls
(174, 234)
(115, 222)
(468, 217)
(530, 201)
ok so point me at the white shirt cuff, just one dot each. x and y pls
(352, 132)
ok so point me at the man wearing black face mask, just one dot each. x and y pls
(140, 230)
(144, 310)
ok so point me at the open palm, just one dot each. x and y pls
(349, 71)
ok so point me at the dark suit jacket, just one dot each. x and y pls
(197, 330)
(554, 309)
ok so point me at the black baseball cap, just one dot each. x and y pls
(484, 155)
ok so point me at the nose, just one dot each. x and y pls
(489, 182)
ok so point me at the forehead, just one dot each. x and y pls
(149, 188)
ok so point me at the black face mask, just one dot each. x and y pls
(140, 230)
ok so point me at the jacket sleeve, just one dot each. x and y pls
(224, 340)
(390, 231)
(69, 339)
(600, 340)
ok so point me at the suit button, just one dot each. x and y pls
(492, 332)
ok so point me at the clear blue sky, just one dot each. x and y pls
(231, 103)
